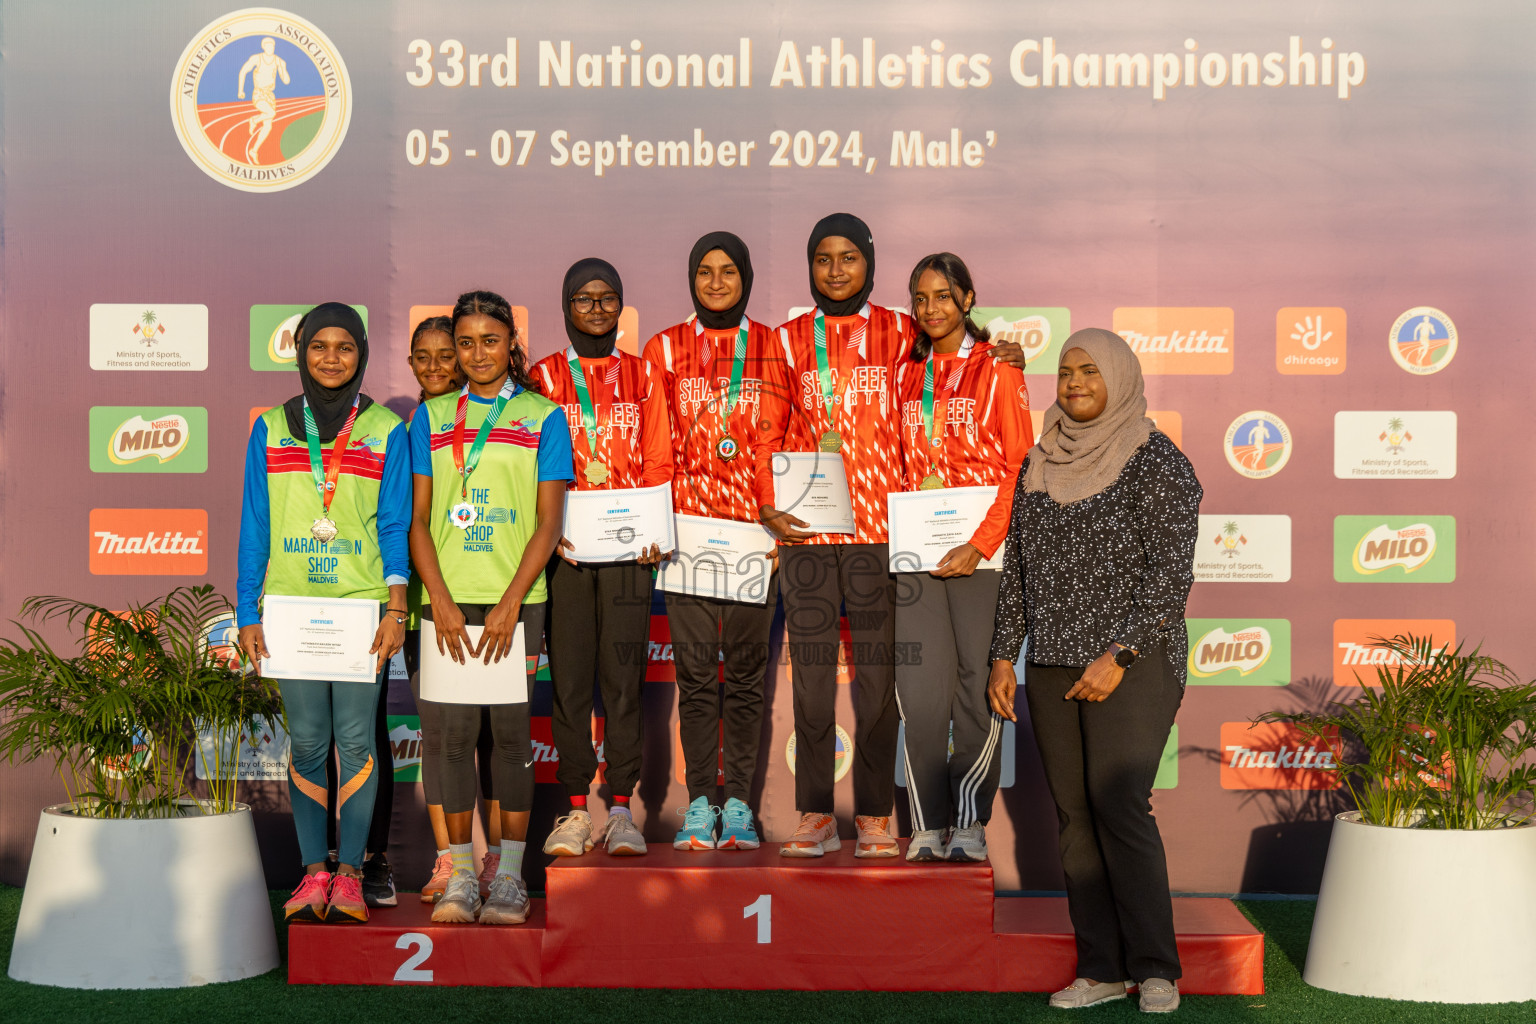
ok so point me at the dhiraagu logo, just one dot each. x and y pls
(1394, 549)
(1038, 330)
(154, 439)
(1239, 652)
(275, 331)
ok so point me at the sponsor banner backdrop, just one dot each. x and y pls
(1299, 218)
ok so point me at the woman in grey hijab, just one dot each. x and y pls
(1097, 570)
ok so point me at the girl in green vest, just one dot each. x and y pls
(330, 450)
(490, 466)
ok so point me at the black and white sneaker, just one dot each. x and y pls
(378, 882)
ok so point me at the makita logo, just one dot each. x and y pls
(1219, 650)
(148, 541)
(658, 651)
(136, 439)
(1239, 756)
(167, 543)
(1350, 654)
(1178, 342)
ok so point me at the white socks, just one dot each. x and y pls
(511, 858)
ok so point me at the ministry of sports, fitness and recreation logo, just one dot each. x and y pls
(1423, 340)
(842, 761)
(1258, 444)
(261, 100)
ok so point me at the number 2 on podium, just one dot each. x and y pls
(762, 909)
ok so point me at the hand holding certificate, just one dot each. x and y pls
(618, 525)
(445, 681)
(328, 639)
(814, 487)
(927, 525)
(719, 558)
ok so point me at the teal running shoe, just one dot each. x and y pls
(698, 831)
(736, 831)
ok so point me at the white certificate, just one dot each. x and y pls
(814, 487)
(618, 525)
(927, 525)
(445, 681)
(320, 638)
(719, 558)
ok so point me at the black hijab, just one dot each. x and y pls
(590, 346)
(844, 225)
(736, 249)
(329, 405)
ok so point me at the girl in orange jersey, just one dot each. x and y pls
(725, 376)
(839, 358)
(600, 613)
(964, 423)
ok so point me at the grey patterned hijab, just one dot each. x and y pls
(1071, 460)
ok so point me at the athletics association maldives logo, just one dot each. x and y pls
(1258, 444)
(261, 100)
(1423, 340)
(842, 761)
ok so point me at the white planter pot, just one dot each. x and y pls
(144, 903)
(1426, 914)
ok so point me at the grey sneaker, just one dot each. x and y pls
(967, 844)
(1159, 995)
(461, 900)
(572, 836)
(927, 844)
(508, 903)
(1083, 992)
(622, 838)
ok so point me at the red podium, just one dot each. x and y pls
(755, 920)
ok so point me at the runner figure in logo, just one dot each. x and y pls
(1258, 444)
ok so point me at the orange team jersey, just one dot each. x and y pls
(695, 364)
(634, 439)
(861, 349)
(983, 408)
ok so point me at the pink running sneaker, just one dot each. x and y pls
(488, 865)
(309, 900)
(814, 836)
(875, 838)
(347, 905)
(441, 869)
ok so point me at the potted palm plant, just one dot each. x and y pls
(144, 877)
(1429, 892)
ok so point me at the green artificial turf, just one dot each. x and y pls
(269, 999)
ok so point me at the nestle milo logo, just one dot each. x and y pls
(126, 439)
(1239, 652)
(1388, 549)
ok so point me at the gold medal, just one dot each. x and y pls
(324, 529)
(727, 448)
(596, 473)
(931, 482)
(831, 441)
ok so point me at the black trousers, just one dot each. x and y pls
(431, 718)
(1100, 762)
(942, 693)
(817, 580)
(512, 749)
(599, 631)
(701, 629)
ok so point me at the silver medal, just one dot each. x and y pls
(463, 515)
(323, 530)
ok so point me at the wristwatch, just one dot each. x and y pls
(1124, 656)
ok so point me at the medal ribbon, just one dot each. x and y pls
(738, 364)
(824, 370)
(928, 410)
(467, 466)
(325, 479)
(588, 411)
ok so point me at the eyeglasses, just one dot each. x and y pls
(609, 303)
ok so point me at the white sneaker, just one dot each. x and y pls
(508, 903)
(622, 837)
(967, 844)
(461, 900)
(572, 836)
(927, 844)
